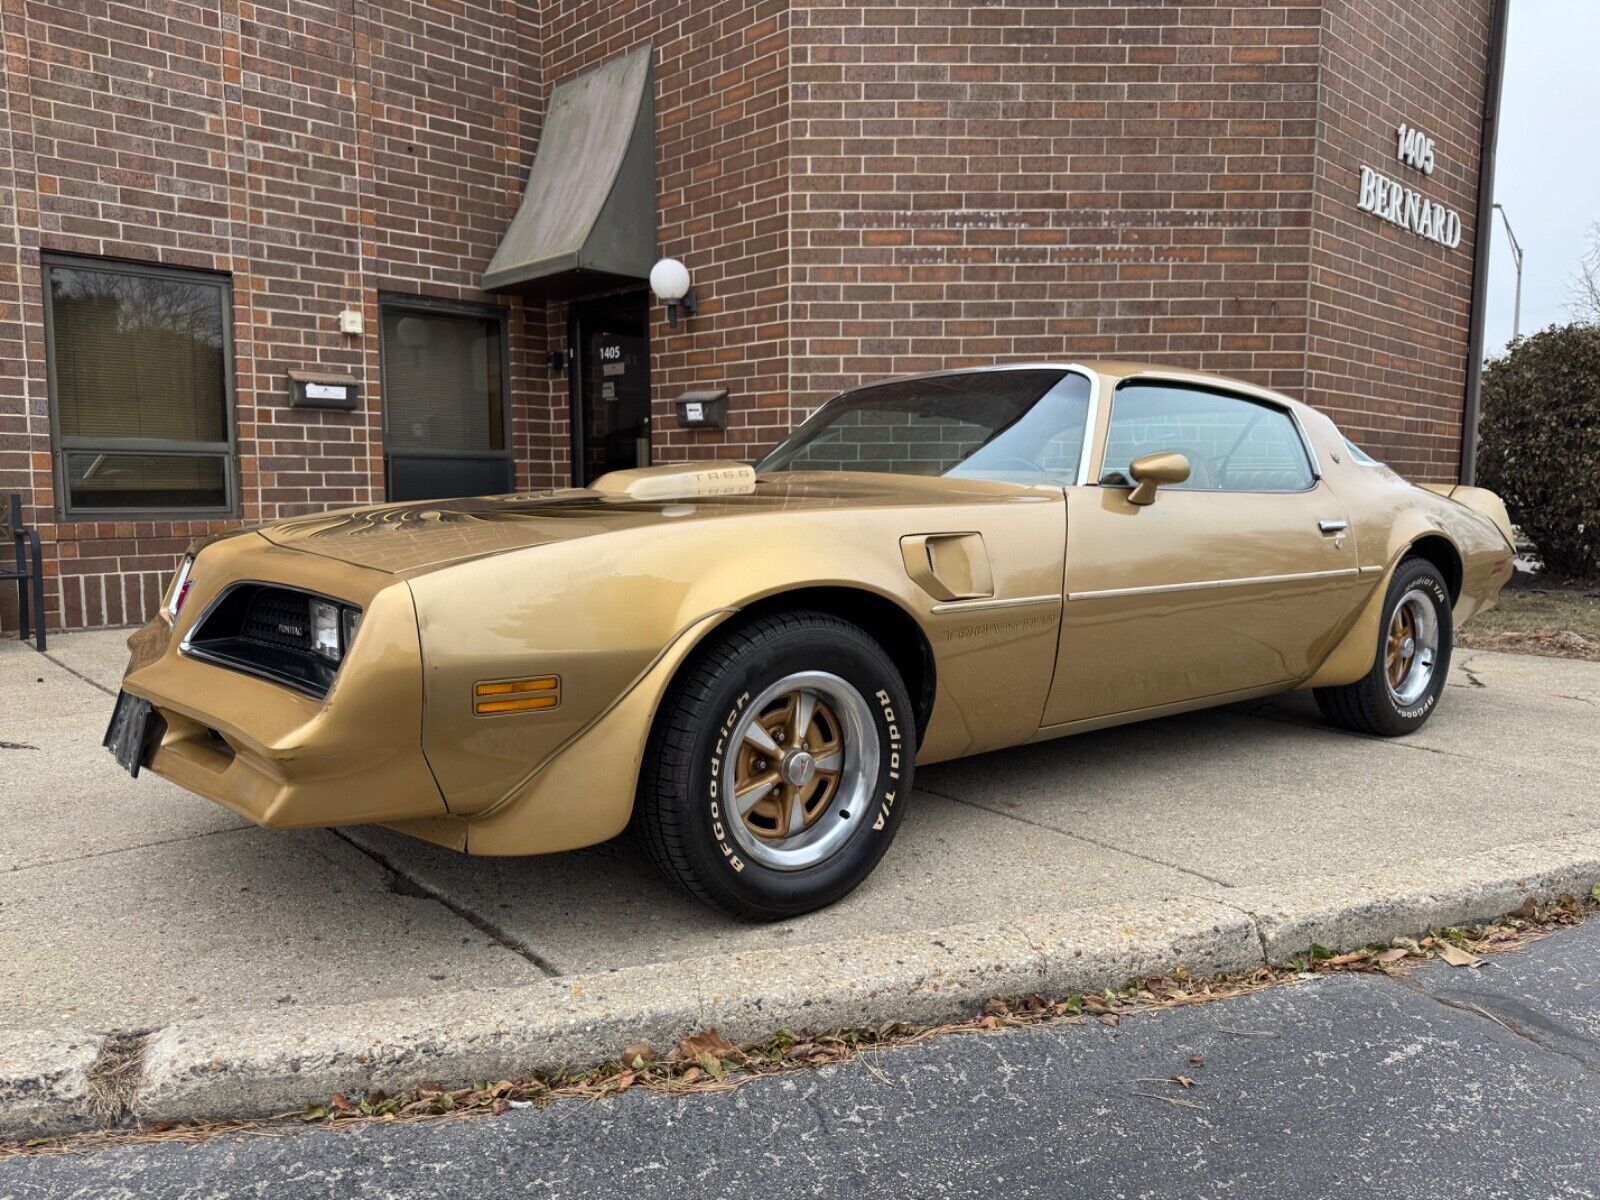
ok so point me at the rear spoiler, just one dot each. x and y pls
(1481, 501)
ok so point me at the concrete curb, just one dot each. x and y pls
(227, 1067)
(1347, 912)
(254, 1064)
(44, 1081)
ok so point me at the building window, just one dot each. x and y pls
(444, 400)
(141, 389)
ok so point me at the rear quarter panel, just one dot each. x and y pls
(1388, 516)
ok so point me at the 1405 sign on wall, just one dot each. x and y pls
(1406, 207)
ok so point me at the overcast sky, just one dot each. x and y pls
(1548, 174)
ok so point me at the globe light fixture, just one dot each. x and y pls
(669, 280)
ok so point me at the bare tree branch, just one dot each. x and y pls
(1584, 284)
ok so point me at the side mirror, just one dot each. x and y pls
(1150, 471)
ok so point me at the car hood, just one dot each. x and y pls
(427, 534)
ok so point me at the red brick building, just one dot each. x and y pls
(243, 244)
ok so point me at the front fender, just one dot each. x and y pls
(600, 611)
(583, 793)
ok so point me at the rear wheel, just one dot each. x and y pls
(1408, 673)
(777, 771)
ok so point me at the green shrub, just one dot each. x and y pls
(1539, 444)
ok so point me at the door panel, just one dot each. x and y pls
(610, 386)
(1198, 594)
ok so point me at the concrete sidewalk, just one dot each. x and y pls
(133, 906)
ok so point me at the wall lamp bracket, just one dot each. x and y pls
(689, 303)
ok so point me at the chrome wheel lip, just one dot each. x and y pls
(858, 774)
(1424, 654)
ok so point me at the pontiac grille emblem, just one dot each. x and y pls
(291, 630)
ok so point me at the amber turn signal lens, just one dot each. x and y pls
(516, 695)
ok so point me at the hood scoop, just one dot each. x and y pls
(679, 481)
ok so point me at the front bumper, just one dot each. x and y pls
(278, 756)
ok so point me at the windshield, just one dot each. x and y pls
(1017, 426)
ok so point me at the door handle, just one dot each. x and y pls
(1334, 526)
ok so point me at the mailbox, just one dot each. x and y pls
(703, 410)
(318, 389)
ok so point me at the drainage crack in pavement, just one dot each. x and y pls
(403, 884)
(1511, 1026)
(1465, 667)
(1248, 915)
(72, 858)
(1079, 837)
(94, 683)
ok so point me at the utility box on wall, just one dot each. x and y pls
(703, 410)
(316, 389)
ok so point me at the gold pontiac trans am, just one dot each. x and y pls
(746, 664)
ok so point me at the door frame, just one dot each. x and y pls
(575, 414)
(433, 306)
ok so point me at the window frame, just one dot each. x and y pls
(434, 306)
(61, 447)
(1261, 400)
(1091, 415)
(1357, 455)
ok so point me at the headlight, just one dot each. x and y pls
(352, 622)
(180, 587)
(325, 629)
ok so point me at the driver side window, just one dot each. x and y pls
(1232, 444)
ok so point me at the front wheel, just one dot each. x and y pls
(1407, 677)
(779, 766)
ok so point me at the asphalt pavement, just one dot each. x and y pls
(1452, 1082)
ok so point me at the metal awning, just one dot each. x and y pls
(588, 215)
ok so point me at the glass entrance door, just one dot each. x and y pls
(610, 386)
(444, 400)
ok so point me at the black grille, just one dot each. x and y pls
(264, 630)
(281, 618)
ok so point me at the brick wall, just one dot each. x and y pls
(723, 188)
(1389, 310)
(318, 151)
(1039, 180)
(858, 189)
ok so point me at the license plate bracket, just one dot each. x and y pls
(128, 734)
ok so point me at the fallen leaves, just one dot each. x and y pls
(1457, 957)
(709, 1061)
(709, 1043)
(1549, 643)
